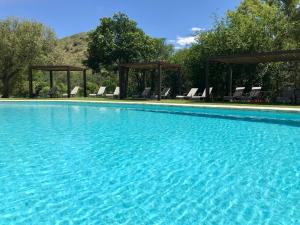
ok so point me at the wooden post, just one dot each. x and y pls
(84, 83)
(143, 79)
(51, 82)
(207, 80)
(69, 82)
(230, 81)
(126, 73)
(179, 81)
(30, 82)
(152, 79)
(158, 82)
(121, 82)
(51, 79)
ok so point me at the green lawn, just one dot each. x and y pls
(171, 101)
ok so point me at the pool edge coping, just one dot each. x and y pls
(216, 106)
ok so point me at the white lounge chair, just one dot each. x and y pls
(115, 94)
(252, 95)
(73, 92)
(53, 91)
(165, 93)
(203, 96)
(100, 92)
(239, 91)
(192, 93)
(145, 94)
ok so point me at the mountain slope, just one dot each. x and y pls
(73, 48)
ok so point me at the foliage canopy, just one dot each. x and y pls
(255, 26)
(118, 40)
(21, 44)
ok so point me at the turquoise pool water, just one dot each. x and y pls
(79, 163)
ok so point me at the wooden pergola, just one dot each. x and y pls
(251, 58)
(156, 66)
(51, 69)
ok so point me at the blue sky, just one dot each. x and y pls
(175, 20)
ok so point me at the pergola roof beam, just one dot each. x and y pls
(255, 58)
(57, 68)
(150, 65)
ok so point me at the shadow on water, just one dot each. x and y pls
(294, 123)
(246, 118)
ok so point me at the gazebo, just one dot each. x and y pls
(156, 66)
(251, 58)
(51, 69)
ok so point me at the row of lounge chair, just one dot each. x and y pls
(192, 94)
(53, 91)
(74, 92)
(165, 93)
(102, 93)
(145, 94)
(288, 94)
(239, 94)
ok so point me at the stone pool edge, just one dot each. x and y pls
(216, 106)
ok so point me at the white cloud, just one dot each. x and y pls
(178, 47)
(184, 41)
(171, 41)
(197, 29)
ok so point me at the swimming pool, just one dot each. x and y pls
(87, 163)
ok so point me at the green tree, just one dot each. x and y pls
(291, 10)
(118, 40)
(21, 44)
(255, 26)
(162, 50)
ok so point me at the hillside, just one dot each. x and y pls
(73, 48)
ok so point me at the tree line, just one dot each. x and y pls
(254, 26)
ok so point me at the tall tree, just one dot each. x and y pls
(291, 10)
(255, 26)
(22, 43)
(118, 40)
(162, 50)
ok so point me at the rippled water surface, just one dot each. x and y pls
(97, 164)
